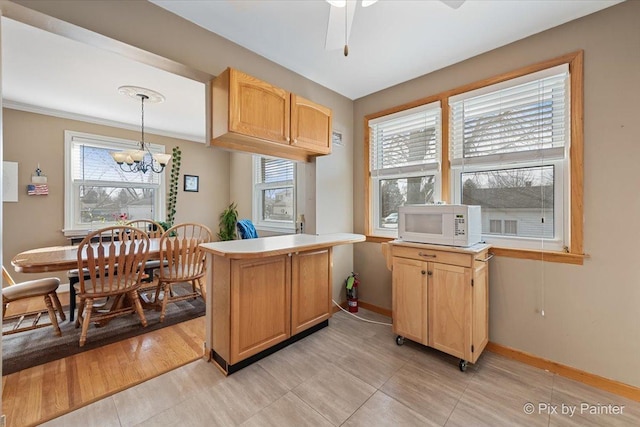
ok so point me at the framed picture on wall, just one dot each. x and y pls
(191, 183)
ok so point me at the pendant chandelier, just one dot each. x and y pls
(141, 160)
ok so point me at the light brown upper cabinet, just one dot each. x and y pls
(254, 116)
(310, 125)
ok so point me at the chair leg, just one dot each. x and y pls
(203, 290)
(72, 297)
(133, 295)
(165, 299)
(52, 315)
(86, 321)
(193, 287)
(56, 301)
(80, 318)
(157, 294)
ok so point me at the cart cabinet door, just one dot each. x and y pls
(450, 309)
(409, 295)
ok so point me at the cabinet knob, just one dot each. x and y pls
(295, 141)
(288, 139)
(423, 272)
(430, 273)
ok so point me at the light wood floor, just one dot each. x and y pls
(43, 392)
(350, 373)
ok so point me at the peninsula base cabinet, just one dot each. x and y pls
(260, 304)
(440, 297)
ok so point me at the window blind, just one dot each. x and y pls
(525, 120)
(276, 171)
(407, 141)
(90, 162)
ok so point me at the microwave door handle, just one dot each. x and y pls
(426, 255)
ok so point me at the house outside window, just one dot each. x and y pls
(404, 163)
(274, 194)
(98, 193)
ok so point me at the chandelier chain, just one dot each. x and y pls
(136, 161)
(142, 120)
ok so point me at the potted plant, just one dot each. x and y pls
(228, 220)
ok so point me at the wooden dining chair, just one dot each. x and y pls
(154, 230)
(184, 261)
(45, 288)
(114, 270)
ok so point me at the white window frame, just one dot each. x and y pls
(557, 157)
(413, 171)
(71, 203)
(375, 200)
(258, 187)
(510, 221)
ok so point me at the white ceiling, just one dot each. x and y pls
(47, 73)
(390, 42)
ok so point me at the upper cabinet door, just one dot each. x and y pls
(310, 125)
(258, 109)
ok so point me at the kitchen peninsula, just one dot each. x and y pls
(264, 294)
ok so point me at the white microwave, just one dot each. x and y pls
(453, 225)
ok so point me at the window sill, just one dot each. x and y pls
(271, 229)
(550, 256)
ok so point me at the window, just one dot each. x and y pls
(514, 146)
(508, 155)
(97, 191)
(404, 163)
(274, 206)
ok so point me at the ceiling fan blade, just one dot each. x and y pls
(335, 28)
(453, 3)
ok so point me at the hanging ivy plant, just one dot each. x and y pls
(172, 199)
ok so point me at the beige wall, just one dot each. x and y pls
(591, 311)
(37, 221)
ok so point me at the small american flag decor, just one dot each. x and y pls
(37, 189)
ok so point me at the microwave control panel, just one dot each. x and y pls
(460, 228)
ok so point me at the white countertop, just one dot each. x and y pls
(278, 245)
(474, 249)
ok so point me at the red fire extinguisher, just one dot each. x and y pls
(352, 292)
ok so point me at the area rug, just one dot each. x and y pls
(26, 349)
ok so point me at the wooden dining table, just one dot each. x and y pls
(63, 258)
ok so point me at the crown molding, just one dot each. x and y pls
(15, 105)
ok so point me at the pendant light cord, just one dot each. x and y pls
(346, 20)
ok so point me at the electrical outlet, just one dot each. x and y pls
(3, 421)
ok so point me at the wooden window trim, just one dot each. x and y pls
(575, 251)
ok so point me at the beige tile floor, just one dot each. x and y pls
(353, 374)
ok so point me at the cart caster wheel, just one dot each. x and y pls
(399, 340)
(462, 365)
